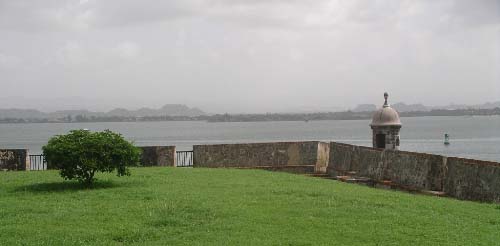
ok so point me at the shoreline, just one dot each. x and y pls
(338, 116)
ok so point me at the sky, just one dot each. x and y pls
(247, 56)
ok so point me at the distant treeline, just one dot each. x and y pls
(346, 115)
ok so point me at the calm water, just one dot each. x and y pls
(472, 137)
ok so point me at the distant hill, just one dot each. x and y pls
(166, 110)
(402, 107)
(365, 108)
(21, 113)
(169, 109)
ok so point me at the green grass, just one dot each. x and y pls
(183, 206)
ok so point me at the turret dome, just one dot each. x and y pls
(386, 116)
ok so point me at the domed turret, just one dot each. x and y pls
(386, 116)
(385, 126)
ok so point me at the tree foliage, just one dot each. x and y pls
(81, 153)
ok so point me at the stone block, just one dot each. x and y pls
(14, 160)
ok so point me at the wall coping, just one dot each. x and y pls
(390, 150)
(468, 161)
(260, 143)
(150, 146)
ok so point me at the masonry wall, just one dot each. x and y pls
(472, 179)
(280, 154)
(456, 177)
(14, 159)
(323, 157)
(158, 156)
(407, 169)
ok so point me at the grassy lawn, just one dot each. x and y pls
(176, 206)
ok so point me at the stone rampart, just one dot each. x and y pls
(456, 177)
(14, 159)
(322, 158)
(158, 156)
(472, 179)
(344, 159)
(280, 154)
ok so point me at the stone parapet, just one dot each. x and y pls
(278, 154)
(158, 156)
(14, 160)
(456, 177)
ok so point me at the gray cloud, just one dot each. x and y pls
(237, 55)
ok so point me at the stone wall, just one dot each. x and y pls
(280, 154)
(322, 158)
(14, 159)
(456, 177)
(408, 169)
(158, 156)
(415, 170)
(472, 179)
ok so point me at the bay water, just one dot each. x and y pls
(475, 137)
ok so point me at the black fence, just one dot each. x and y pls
(184, 158)
(37, 162)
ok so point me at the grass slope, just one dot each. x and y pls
(161, 206)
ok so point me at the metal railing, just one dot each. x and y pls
(37, 162)
(184, 158)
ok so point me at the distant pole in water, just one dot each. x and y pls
(446, 139)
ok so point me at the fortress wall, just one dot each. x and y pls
(278, 154)
(14, 159)
(408, 169)
(341, 159)
(416, 171)
(370, 163)
(322, 158)
(472, 179)
(158, 156)
(457, 177)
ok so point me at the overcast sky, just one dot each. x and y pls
(247, 55)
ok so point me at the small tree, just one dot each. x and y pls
(81, 153)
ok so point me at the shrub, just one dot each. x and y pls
(81, 153)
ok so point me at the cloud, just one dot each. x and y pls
(71, 53)
(254, 54)
(9, 61)
(47, 15)
(127, 49)
(83, 14)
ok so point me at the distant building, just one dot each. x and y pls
(385, 127)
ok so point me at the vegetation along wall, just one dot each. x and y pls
(14, 159)
(278, 155)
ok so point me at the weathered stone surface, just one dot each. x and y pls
(342, 159)
(413, 170)
(456, 177)
(323, 157)
(158, 156)
(370, 163)
(14, 159)
(261, 154)
(472, 179)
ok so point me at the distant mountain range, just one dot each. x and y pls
(402, 107)
(180, 110)
(167, 110)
